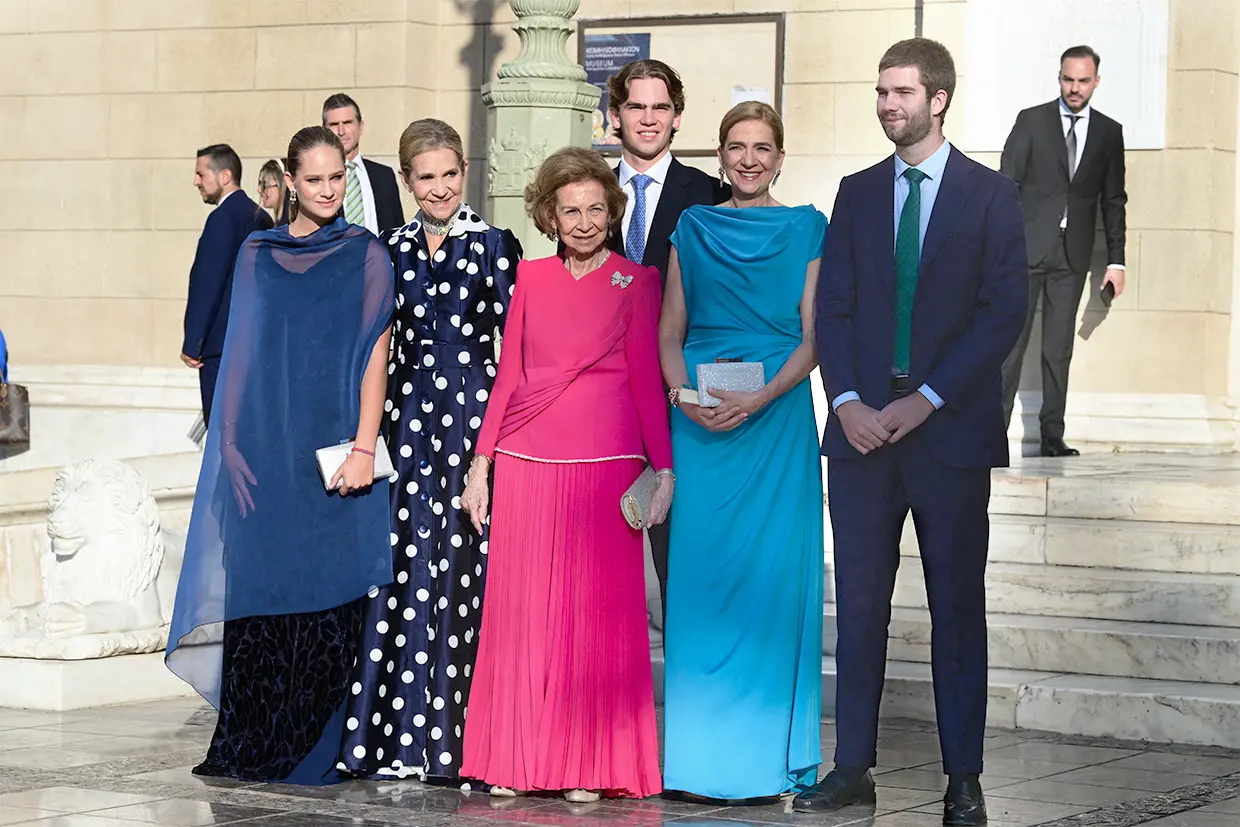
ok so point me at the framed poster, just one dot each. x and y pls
(754, 70)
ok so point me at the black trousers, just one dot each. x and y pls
(1060, 290)
(659, 537)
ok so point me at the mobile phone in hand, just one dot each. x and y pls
(1108, 294)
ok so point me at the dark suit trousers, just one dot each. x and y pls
(660, 541)
(207, 374)
(869, 499)
(1060, 290)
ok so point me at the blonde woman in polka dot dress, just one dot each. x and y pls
(454, 281)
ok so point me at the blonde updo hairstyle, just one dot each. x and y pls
(752, 111)
(571, 165)
(424, 135)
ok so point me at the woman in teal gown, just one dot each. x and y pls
(743, 645)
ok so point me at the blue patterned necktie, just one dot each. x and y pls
(635, 238)
(908, 262)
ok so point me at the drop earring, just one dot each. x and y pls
(292, 196)
(723, 179)
(775, 180)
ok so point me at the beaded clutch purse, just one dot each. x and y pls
(635, 502)
(332, 457)
(744, 377)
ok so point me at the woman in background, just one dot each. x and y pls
(744, 623)
(455, 277)
(266, 619)
(562, 697)
(273, 192)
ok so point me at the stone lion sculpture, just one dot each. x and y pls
(108, 571)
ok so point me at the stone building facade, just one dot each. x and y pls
(103, 103)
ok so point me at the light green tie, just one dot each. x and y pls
(354, 209)
(908, 262)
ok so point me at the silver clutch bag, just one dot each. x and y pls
(742, 377)
(635, 502)
(333, 456)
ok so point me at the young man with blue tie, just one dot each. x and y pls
(923, 293)
(645, 104)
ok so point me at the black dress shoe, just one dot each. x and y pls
(838, 789)
(964, 805)
(1058, 448)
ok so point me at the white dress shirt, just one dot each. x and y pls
(368, 196)
(658, 175)
(1082, 134)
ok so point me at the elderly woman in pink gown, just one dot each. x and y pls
(562, 695)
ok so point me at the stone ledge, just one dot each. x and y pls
(104, 386)
(58, 685)
(172, 477)
(1146, 422)
(1079, 646)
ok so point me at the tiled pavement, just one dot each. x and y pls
(129, 766)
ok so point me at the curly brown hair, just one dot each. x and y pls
(571, 165)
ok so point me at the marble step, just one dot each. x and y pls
(1084, 646)
(1201, 548)
(1162, 488)
(1160, 711)
(1107, 594)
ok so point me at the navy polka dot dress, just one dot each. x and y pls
(406, 708)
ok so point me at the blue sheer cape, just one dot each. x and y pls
(305, 316)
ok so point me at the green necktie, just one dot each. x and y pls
(908, 261)
(354, 209)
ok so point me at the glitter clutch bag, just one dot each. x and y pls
(742, 377)
(635, 502)
(330, 459)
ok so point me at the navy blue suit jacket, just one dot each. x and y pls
(210, 279)
(969, 309)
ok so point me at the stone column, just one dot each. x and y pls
(538, 103)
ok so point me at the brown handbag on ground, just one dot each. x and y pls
(14, 414)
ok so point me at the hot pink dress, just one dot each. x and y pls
(562, 695)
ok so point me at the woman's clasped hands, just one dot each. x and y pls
(734, 408)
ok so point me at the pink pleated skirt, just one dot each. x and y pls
(562, 695)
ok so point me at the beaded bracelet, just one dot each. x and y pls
(357, 450)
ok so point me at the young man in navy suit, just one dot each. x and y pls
(645, 104)
(217, 175)
(923, 293)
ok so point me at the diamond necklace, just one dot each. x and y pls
(434, 226)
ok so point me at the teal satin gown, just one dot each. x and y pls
(743, 648)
